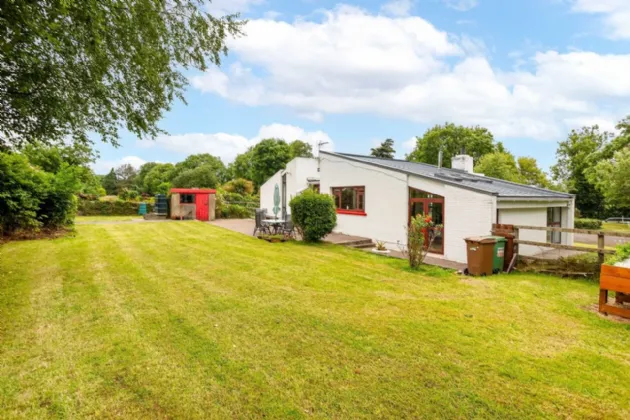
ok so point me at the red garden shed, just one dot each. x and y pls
(193, 203)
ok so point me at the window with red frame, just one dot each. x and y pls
(349, 198)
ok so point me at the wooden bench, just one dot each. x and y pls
(614, 279)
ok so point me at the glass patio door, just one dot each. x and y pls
(423, 203)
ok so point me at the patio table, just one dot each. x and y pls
(275, 224)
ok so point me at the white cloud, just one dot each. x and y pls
(352, 61)
(616, 14)
(104, 166)
(227, 146)
(397, 7)
(461, 5)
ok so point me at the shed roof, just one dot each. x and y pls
(459, 178)
(193, 191)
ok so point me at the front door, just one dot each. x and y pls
(423, 203)
(201, 203)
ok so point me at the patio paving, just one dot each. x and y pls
(246, 226)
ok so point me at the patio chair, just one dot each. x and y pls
(288, 230)
(260, 226)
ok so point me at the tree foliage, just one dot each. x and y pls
(159, 174)
(268, 157)
(612, 178)
(385, 150)
(502, 165)
(239, 186)
(299, 148)
(575, 156)
(202, 159)
(242, 166)
(531, 174)
(499, 165)
(110, 183)
(203, 176)
(125, 177)
(31, 198)
(72, 67)
(477, 141)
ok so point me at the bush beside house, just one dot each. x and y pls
(313, 215)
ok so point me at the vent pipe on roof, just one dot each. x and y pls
(440, 159)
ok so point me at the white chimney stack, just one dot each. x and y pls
(463, 163)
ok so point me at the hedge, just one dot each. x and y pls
(110, 208)
(313, 214)
(588, 224)
(235, 211)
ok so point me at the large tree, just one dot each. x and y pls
(125, 177)
(110, 183)
(300, 148)
(499, 165)
(242, 166)
(202, 159)
(203, 176)
(268, 157)
(55, 159)
(385, 150)
(73, 67)
(531, 173)
(159, 174)
(476, 141)
(575, 155)
(612, 178)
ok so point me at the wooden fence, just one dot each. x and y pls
(601, 238)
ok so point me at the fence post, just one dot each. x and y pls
(601, 245)
(516, 245)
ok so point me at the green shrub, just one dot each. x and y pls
(623, 253)
(129, 195)
(31, 198)
(239, 186)
(110, 208)
(313, 214)
(588, 224)
(234, 211)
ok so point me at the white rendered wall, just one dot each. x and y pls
(386, 199)
(466, 213)
(267, 190)
(297, 172)
(527, 217)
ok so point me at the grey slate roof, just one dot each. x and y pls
(482, 184)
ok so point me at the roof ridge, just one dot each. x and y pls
(383, 161)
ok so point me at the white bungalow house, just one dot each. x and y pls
(376, 197)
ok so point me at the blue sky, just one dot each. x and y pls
(354, 73)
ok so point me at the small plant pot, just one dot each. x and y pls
(379, 252)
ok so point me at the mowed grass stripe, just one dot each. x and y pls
(190, 320)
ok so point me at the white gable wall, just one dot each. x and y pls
(386, 199)
(267, 190)
(297, 172)
(466, 213)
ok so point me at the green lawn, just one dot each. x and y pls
(616, 227)
(87, 219)
(185, 320)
